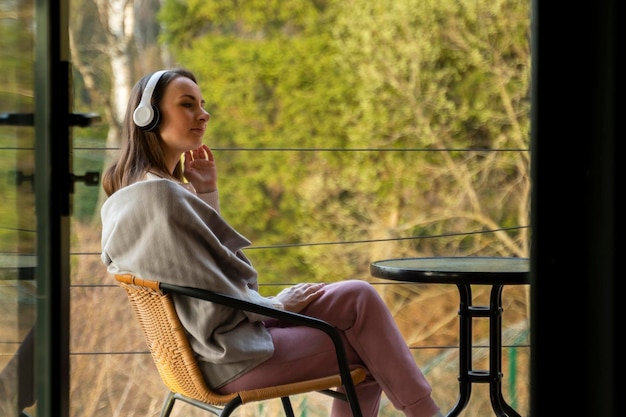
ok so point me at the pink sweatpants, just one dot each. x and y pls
(372, 339)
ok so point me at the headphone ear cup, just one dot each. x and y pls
(146, 116)
(143, 115)
(156, 118)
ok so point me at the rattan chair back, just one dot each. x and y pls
(168, 343)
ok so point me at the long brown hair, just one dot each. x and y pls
(142, 151)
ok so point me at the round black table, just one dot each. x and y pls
(465, 272)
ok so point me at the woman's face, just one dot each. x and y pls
(183, 118)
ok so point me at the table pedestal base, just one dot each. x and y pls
(469, 376)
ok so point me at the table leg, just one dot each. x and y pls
(465, 349)
(498, 403)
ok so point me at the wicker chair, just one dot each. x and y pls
(179, 369)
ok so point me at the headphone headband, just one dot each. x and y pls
(146, 116)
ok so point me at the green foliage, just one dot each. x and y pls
(17, 205)
(376, 76)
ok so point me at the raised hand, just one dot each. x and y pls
(200, 169)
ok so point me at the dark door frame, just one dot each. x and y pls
(52, 190)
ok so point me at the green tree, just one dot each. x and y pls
(441, 76)
(446, 77)
(270, 83)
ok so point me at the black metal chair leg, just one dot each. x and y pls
(168, 405)
(287, 407)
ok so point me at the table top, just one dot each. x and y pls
(455, 270)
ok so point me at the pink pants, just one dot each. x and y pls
(371, 338)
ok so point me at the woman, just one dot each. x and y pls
(162, 222)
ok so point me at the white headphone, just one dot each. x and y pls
(146, 116)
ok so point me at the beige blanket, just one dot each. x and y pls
(159, 231)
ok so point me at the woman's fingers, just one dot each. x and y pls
(202, 153)
(297, 297)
